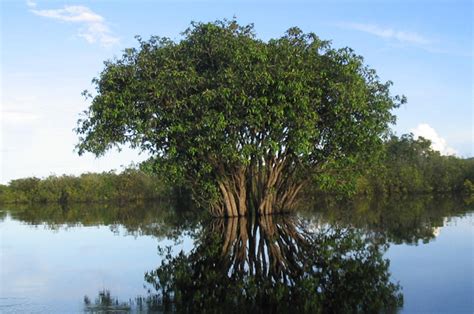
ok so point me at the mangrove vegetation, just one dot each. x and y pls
(245, 124)
(406, 166)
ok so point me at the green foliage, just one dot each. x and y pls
(468, 187)
(410, 166)
(406, 166)
(129, 185)
(221, 99)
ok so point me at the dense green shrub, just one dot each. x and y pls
(129, 185)
(410, 166)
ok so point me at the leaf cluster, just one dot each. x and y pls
(220, 98)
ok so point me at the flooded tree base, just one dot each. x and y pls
(257, 190)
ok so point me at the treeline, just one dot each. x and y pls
(410, 166)
(129, 185)
(407, 166)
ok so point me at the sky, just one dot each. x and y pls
(51, 50)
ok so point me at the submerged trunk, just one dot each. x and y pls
(262, 188)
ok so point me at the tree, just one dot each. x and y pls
(244, 123)
(409, 165)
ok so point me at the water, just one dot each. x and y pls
(403, 255)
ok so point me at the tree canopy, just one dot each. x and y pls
(245, 123)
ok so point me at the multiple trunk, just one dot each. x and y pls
(261, 188)
(263, 246)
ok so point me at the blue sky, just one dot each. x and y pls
(50, 51)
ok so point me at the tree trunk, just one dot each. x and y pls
(263, 187)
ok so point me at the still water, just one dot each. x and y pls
(399, 255)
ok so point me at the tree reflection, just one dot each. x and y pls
(396, 220)
(160, 220)
(105, 303)
(276, 264)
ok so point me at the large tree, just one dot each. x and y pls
(245, 123)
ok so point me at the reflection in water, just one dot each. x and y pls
(276, 263)
(105, 303)
(328, 259)
(154, 219)
(406, 220)
(396, 220)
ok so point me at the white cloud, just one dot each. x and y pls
(31, 3)
(388, 33)
(73, 13)
(94, 28)
(437, 142)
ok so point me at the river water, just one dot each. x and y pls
(413, 255)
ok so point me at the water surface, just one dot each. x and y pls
(400, 255)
